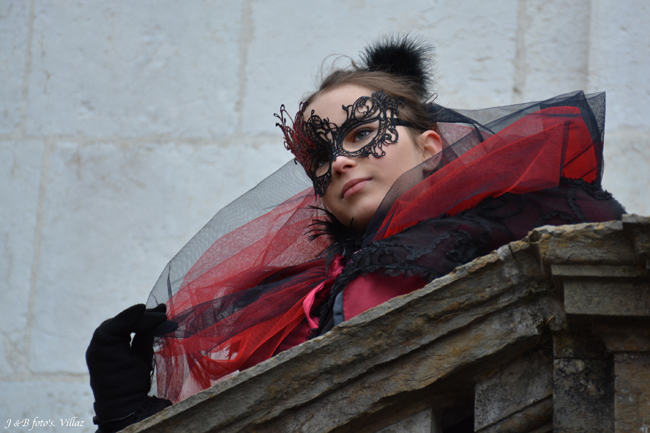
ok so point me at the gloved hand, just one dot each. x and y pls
(120, 370)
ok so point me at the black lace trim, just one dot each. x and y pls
(409, 254)
(555, 218)
(594, 190)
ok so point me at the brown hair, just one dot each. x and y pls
(414, 110)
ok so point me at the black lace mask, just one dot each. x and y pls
(370, 125)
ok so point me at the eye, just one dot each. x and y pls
(320, 165)
(361, 134)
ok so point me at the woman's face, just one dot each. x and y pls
(358, 185)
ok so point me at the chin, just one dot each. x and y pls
(355, 215)
(360, 222)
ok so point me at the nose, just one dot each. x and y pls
(343, 163)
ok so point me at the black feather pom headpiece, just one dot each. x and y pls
(402, 55)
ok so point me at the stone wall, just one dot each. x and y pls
(125, 125)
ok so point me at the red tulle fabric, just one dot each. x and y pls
(225, 324)
(529, 155)
(246, 294)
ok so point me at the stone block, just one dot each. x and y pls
(535, 418)
(604, 297)
(512, 388)
(600, 271)
(578, 343)
(20, 169)
(421, 422)
(593, 244)
(474, 66)
(14, 34)
(473, 62)
(632, 407)
(583, 396)
(624, 335)
(618, 60)
(113, 215)
(553, 48)
(639, 228)
(134, 69)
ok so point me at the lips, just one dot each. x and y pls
(352, 186)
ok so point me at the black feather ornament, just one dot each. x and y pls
(402, 55)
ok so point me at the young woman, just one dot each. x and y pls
(402, 191)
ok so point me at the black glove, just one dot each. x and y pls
(120, 370)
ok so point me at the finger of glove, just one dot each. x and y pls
(160, 308)
(149, 321)
(120, 326)
(143, 339)
(165, 327)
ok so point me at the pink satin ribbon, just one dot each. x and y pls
(336, 267)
